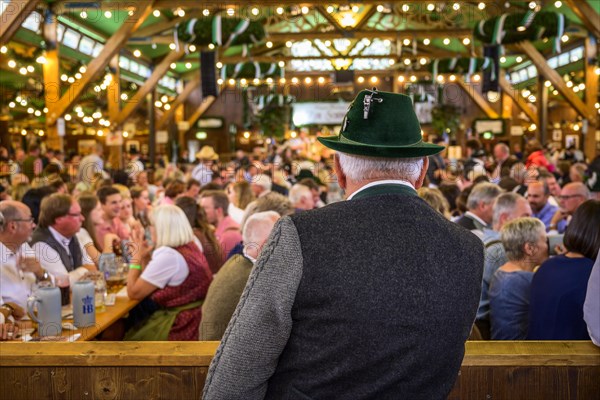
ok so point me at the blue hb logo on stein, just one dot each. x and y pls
(88, 305)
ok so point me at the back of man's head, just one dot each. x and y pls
(506, 206)
(483, 192)
(258, 228)
(299, 192)
(361, 168)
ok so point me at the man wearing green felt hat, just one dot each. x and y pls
(370, 298)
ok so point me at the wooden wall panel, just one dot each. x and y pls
(102, 383)
(177, 370)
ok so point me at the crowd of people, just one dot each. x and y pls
(194, 231)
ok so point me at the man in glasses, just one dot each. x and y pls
(54, 240)
(19, 270)
(571, 197)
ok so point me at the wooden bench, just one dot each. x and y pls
(177, 370)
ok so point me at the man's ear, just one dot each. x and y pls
(419, 181)
(341, 177)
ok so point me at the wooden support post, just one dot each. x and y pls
(587, 15)
(477, 98)
(143, 8)
(542, 104)
(591, 95)
(150, 99)
(51, 71)
(517, 98)
(189, 89)
(206, 103)
(544, 69)
(160, 71)
(507, 112)
(13, 16)
(113, 98)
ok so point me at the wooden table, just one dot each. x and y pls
(122, 306)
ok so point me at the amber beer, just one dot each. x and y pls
(115, 283)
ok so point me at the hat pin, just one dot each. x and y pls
(368, 100)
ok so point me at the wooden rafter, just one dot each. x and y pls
(97, 65)
(138, 99)
(189, 89)
(206, 103)
(587, 15)
(358, 34)
(555, 79)
(332, 21)
(365, 18)
(13, 16)
(517, 98)
(162, 26)
(477, 98)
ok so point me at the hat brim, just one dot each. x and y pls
(419, 150)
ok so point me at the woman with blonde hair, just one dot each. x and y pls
(436, 200)
(175, 276)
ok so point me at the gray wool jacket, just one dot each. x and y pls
(371, 298)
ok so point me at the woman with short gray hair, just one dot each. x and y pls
(524, 240)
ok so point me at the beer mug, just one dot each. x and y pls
(48, 316)
(84, 307)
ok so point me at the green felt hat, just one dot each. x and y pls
(381, 124)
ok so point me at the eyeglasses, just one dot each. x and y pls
(570, 196)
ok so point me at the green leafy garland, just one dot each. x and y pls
(459, 65)
(251, 70)
(514, 28)
(220, 31)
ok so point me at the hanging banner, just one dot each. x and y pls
(312, 113)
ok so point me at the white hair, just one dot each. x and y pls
(298, 192)
(518, 232)
(173, 228)
(262, 180)
(505, 204)
(258, 228)
(483, 192)
(360, 168)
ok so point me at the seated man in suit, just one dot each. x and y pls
(480, 206)
(369, 298)
(54, 241)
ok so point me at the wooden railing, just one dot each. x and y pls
(177, 370)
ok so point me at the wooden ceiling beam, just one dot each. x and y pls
(555, 79)
(366, 18)
(13, 16)
(195, 3)
(143, 8)
(162, 26)
(187, 90)
(205, 105)
(350, 34)
(587, 15)
(515, 94)
(138, 99)
(477, 98)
